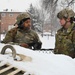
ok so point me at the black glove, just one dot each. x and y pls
(37, 46)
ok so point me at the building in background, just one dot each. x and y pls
(7, 20)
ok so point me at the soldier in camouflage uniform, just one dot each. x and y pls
(65, 37)
(23, 35)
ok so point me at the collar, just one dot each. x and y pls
(64, 31)
(70, 28)
(24, 31)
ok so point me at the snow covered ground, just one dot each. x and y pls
(41, 63)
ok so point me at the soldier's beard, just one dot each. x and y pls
(27, 28)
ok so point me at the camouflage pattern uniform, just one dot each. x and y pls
(18, 36)
(65, 38)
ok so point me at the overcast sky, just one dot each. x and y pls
(19, 5)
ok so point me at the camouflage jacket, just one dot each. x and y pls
(65, 41)
(18, 36)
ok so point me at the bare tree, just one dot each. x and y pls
(50, 7)
(67, 3)
(35, 15)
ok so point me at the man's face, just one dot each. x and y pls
(62, 21)
(27, 24)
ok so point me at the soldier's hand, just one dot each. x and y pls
(24, 45)
(37, 46)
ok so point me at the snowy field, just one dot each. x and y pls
(41, 63)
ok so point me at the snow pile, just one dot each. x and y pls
(41, 63)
